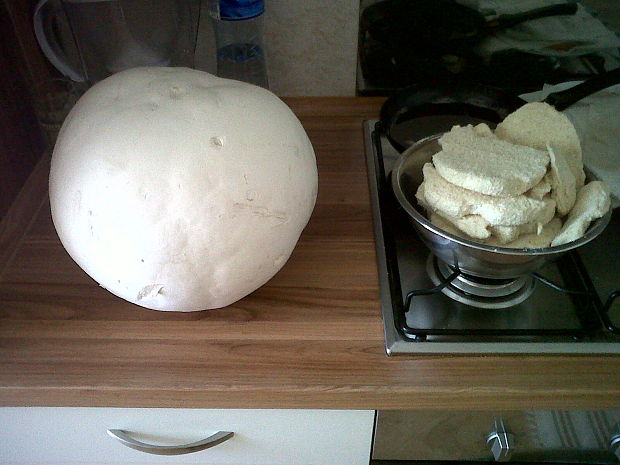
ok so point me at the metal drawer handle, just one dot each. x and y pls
(211, 441)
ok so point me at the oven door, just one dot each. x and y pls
(533, 436)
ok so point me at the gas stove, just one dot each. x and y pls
(428, 306)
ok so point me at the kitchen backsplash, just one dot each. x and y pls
(311, 46)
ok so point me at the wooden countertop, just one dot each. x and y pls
(311, 338)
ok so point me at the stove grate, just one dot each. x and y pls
(592, 314)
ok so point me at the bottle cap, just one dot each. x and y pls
(236, 10)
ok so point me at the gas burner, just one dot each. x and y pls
(477, 291)
(430, 307)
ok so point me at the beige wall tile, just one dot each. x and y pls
(311, 46)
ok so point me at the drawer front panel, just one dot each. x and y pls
(35, 435)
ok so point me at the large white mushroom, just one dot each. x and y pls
(177, 190)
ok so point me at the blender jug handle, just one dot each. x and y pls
(42, 17)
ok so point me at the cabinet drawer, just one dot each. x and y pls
(41, 435)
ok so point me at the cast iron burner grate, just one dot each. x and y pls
(478, 291)
(592, 314)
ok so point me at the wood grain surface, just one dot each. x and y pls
(311, 338)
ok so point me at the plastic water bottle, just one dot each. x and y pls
(239, 40)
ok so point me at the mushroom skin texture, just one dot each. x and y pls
(177, 190)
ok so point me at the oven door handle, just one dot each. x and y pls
(614, 442)
(503, 443)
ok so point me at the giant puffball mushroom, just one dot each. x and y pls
(178, 190)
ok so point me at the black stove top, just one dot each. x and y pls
(429, 306)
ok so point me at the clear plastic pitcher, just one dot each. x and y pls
(113, 35)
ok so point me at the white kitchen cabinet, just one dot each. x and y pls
(67, 435)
